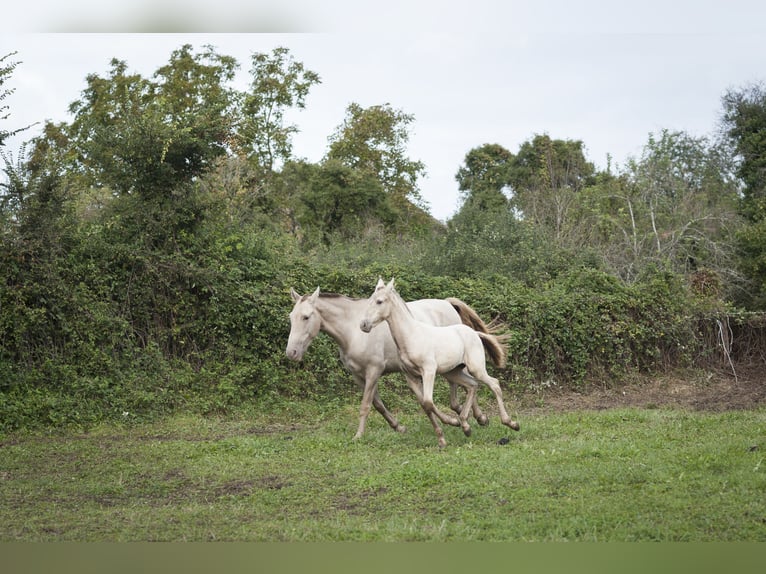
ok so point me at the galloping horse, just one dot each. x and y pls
(426, 349)
(368, 357)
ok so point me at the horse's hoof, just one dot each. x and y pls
(401, 428)
(514, 425)
(483, 420)
(467, 431)
(357, 436)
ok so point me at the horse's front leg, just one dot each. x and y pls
(428, 377)
(417, 388)
(415, 384)
(370, 396)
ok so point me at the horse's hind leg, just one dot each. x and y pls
(494, 385)
(477, 368)
(370, 396)
(414, 384)
(459, 377)
(454, 403)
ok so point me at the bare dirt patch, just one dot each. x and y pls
(698, 391)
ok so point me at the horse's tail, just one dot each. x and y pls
(471, 318)
(492, 336)
(495, 347)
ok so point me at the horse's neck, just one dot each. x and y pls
(400, 322)
(340, 319)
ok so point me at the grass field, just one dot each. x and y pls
(295, 475)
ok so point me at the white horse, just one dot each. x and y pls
(426, 349)
(368, 357)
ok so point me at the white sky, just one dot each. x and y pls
(606, 72)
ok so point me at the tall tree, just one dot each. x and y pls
(147, 136)
(484, 177)
(6, 69)
(279, 83)
(545, 175)
(374, 141)
(744, 126)
(673, 207)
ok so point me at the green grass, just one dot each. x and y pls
(295, 475)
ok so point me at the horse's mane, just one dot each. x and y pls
(402, 302)
(323, 295)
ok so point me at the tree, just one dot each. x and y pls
(545, 176)
(196, 98)
(279, 83)
(744, 125)
(151, 136)
(485, 177)
(338, 199)
(5, 72)
(674, 208)
(374, 141)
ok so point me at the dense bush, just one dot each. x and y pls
(148, 247)
(130, 334)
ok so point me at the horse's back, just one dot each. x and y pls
(434, 311)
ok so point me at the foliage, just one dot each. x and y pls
(744, 125)
(148, 137)
(279, 83)
(545, 176)
(374, 140)
(148, 246)
(337, 199)
(487, 242)
(675, 207)
(485, 177)
(6, 70)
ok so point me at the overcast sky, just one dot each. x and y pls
(608, 73)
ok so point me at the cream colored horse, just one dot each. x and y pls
(369, 356)
(426, 349)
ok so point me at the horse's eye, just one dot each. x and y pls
(305, 317)
(379, 302)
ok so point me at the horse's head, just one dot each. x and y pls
(378, 306)
(304, 324)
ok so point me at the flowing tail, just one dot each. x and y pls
(492, 337)
(495, 348)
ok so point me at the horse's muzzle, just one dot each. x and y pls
(365, 326)
(295, 354)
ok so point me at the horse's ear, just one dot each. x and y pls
(380, 284)
(314, 295)
(294, 295)
(390, 284)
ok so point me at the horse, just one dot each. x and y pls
(368, 357)
(426, 349)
